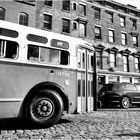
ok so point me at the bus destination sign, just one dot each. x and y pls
(59, 44)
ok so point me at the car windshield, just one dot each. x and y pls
(107, 87)
(119, 87)
(113, 87)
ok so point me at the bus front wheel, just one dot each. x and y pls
(45, 108)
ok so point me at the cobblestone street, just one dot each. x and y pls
(103, 124)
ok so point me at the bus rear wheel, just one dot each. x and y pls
(45, 108)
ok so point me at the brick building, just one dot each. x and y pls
(116, 34)
(113, 29)
(18, 11)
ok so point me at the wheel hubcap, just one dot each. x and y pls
(43, 108)
(125, 103)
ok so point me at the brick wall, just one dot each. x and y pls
(13, 8)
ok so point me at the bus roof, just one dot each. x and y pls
(48, 34)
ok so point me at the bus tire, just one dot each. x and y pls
(45, 108)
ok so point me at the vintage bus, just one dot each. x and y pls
(43, 74)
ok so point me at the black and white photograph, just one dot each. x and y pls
(69, 69)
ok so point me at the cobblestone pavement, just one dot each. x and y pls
(104, 124)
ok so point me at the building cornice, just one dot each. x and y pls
(32, 3)
(115, 6)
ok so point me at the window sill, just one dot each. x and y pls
(82, 36)
(46, 29)
(111, 42)
(47, 6)
(66, 11)
(65, 33)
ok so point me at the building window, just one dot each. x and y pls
(66, 25)
(137, 64)
(125, 63)
(99, 59)
(82, 29)
(75, 24)
(66, 5)
(111, 36)
(97, 32)
(74, 6)
(135, 41)
(122, 21)
(97, 13)
(112, 59)
(23, 19)
(47, 21)
(48, 2)
(110, 17)
(2, 13)
(124, 39)
(82, 9)
(134, 24)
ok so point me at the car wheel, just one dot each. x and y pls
(125, 102)
(45, 108)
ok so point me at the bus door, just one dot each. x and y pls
(90, 81)
(84, 81)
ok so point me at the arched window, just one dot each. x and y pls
(23, 19)
(2, 13)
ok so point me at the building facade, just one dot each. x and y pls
(111, 27)
(117, 41)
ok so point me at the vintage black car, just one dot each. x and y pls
(123, 94)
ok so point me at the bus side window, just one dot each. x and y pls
(48, 55)
(79, 59)
(90, 61)
(33, 53)
(83, 60)
(8, 49)
(44, 55)
(54, 56)
(64, 58)
(11, 50)
(2, 44)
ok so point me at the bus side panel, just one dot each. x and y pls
(67, 80)
(17, 79)
(15, 82)
(10, 90)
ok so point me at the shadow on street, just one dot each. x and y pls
(18, 123)
(129, 134)
(131, 109)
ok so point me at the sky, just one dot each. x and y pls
(135, 3)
